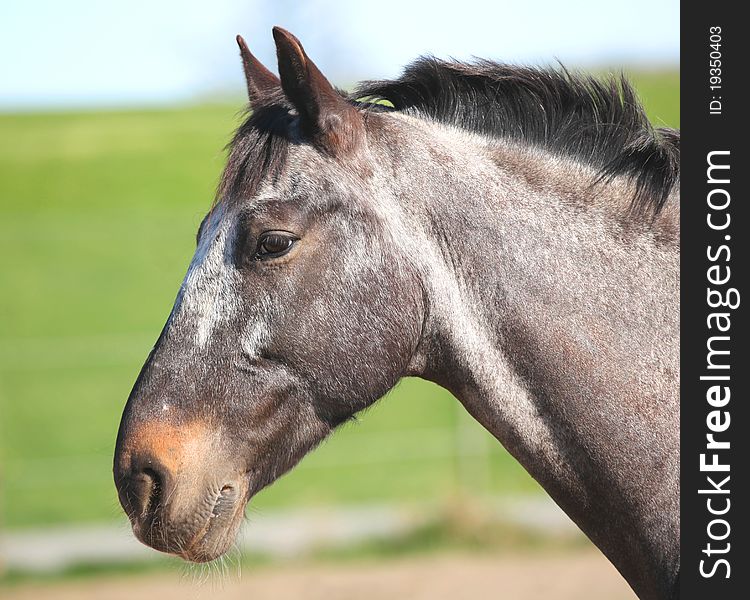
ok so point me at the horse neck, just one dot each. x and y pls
(556, 324)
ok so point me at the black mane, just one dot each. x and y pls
(599, 122)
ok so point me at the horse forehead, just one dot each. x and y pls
(214, 242)
(209, 292)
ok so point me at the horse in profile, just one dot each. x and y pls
(509, 233)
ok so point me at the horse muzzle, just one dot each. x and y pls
(181, 498)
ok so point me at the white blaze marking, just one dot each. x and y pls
(208, 293)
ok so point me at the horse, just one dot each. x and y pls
(509, 233)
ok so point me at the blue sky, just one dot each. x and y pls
(66, 53)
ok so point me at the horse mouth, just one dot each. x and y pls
(201, 536)
(219, 530)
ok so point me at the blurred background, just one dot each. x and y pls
(113, 120)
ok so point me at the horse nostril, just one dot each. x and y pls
(225, 501)
(152, 492)
(142, 490)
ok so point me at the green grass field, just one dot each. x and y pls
(98, 213)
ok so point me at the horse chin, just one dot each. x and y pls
(200, 536)
(214, 541)
(214, 544)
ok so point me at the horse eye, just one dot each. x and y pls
(273, 244)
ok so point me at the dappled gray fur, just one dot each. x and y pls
(599, 122)
(505, 269)
(555, 320)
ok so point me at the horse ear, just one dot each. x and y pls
(261, 83)
(325, 115)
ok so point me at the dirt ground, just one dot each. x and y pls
(576, 576)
